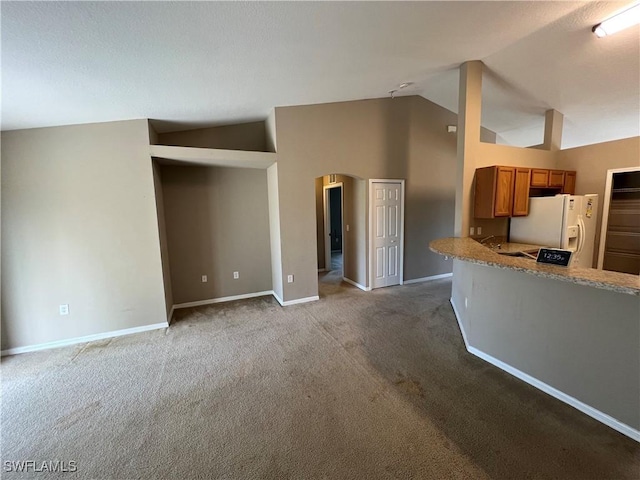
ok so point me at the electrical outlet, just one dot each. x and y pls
(289, 278)
(64, 309)
(204, 279)
(465, 302)
(236, 275)
(479, 230)
(472, 231)
(347, 228)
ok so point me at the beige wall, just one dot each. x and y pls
(271, 139)
(563, 344)
(474, 151)
(591, 163)
(79, 227)
(468, 141)
(164, 245)
(355, 219)
(153, 134)
(588, 348)
(274, 231)
(384, 138)
(320, 222)
(347, 207)
(356, 260)
(217, 223)
(244, 136)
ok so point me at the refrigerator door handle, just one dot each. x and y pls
(581, 235)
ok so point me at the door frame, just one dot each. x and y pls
(371, 233)
(606, 203)
(327, 223)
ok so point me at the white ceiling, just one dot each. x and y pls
(203, 63)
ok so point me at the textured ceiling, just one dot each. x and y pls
(203, 63)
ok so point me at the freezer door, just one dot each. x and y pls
(572, 206)
(588, 212)
(544, 225)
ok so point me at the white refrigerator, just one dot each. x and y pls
(563, 221)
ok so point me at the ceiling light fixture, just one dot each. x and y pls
(622, 20)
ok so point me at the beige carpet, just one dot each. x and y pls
(357, 385)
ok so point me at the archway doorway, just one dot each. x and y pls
(333, 215)
(341, 231)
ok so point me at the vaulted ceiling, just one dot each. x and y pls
(191, 64)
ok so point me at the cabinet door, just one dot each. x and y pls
(485, 192)
(521, 192)
(539, 177)
(504, 191)
(556, 178)
(569, 183)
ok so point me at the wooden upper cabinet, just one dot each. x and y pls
(556, 178)
(504, 191)
(505, 180)
(542, 178)
(521, 192)
(539, 177)
(494, 192)
(569, 183)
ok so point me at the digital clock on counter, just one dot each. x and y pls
(554, 256)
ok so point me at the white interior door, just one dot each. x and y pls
(386, 204)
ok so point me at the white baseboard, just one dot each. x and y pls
(296, 301)
(231, 298)
(428, 279)
(85, 339)
(355, 284)
(554, 392)
(548, 389)
(321, 270)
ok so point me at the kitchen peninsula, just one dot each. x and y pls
(571, 332)
(472, 251)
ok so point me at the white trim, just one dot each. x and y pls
(370, 230)
(605, 210)
(548, 389)
(85, 339)
(223, 299)
(277, 297)
(170, 317)
(214, 157)
(327, 221)
(296, 301)
(605, 219)
(428, 279)
(554, 392)
(322, 270)
(355, 284)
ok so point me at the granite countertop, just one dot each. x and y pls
(472, 251)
